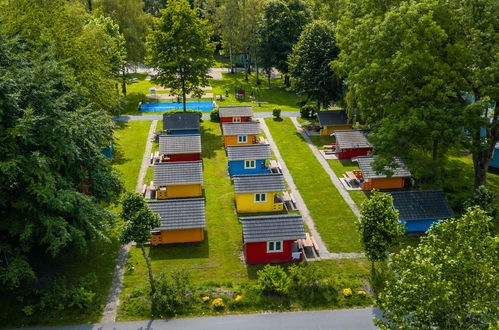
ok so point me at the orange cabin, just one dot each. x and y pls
(237, 134)
(373, 180)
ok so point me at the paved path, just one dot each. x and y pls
(337, 183)
(113, 298)
(344, 319)
(300, 203)
(206, 116)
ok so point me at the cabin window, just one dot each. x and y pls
(249, 164)
(236, 119)
(274, 246)
(242, 139)
(260, 198)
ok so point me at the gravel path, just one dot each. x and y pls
(113, 298)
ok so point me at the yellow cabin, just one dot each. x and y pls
(333, 120)
(370, 179)
(259, 193)
(178, 179)
(182, 220)
(238, 134)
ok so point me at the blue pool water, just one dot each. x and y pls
(165, 106)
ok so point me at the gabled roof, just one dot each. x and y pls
(251, 151)
(272, 228)
(181, 121)
(179, 213)
(365, 164)
(421, 205)
(247, 128)
(332, 117)
(179, 144)
(259, 183)
(351, 139)
(176, 173)
(236, 111)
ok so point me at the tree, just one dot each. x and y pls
(55, 186)
(428, 65)
(485, 198)
(139, 221)
(309, 63)
(279, 29)
(449, 281)
(179, 48)
(379, 226)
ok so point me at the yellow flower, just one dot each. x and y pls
(347, 292)
(218, 303)
(205, 298)
(361, 293)
(238, 298)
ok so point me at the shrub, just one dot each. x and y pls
(347, 292)
(273, 279)
(276, 113)
(311, 286)
(307, 111)
(215, 115)
(171, 295)
(218, 303)
(485, 198)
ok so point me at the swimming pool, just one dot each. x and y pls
(165, 106)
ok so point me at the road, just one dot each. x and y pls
(207, 116)
(344, 319)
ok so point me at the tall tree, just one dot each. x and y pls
(228, 18)
(309, 63)
(379, 227)
(279, 29)
(139, 221)
(179, 48)
(449, 281)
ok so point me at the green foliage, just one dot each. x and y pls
(139, 219)
(179, 47)
(449, 281)
(273, 280)
(172, 294)
(379, 227)
(215, 115)
(307, 111)
(276, 112)
(485, 198)
(311, 285)
(309, 63)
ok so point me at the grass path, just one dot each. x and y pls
(332, 216)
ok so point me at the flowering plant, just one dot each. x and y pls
(205, 298)
(347, 292)
(218, 303)
(238, 298)
(361, 293)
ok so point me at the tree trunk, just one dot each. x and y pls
(286, 80)
(245, 67)
(434, 153)
(256, 69)
(90, 5)
(184, 96)
(231, 59)
(149, 268)
(268, 76)
(123, 81)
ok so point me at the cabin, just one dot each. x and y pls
(180, 148)
(236, 134)
(271, 239)
(182, 220)
(333, 120)
(181, 123)
(419, 210)
(259, 193)
(350, 144)
(178, 179)
(235, 114)
(370, 179)
(495, 157)
(248, 159)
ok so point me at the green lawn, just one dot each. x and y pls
(333, 218)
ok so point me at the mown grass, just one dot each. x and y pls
(332, 216)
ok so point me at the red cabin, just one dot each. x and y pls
(350, 144)
(236, 114)
(180, 148)
(272, 239)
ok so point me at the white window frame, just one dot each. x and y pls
(272, 244)
(249, 161)
(242, 139)
(258, 198)
(236, 119)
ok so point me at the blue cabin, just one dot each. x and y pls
(181, 123)
(248, 159)
(419, 210)
(495, 157)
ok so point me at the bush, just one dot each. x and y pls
(273, 279)
(485, 198)
(172, 293)
(276, 113)
(311, 286)
(307, 111)
(215, 115)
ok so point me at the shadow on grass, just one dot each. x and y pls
(181, 250)
(277, 119)
(211, 142)
(131, 103)
(119, 155)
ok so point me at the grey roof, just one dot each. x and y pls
(247, 128)
(259, 183)
(365, 164)
(179, 144)
(251, 151)
(236, 111)
(332, 117)
(175, 173)
(179, 213)
(420, 205)
(351, 139)
(272, 228)
(181, 121)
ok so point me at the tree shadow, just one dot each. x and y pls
(211, 142)
(194, 250)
